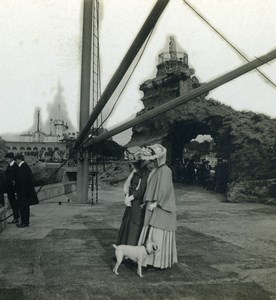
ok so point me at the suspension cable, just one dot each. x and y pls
(142, 52)
(228, 42)
(123, 88)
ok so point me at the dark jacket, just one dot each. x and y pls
(10, 178)
(133, 218)
(26, 193)
(138, 184)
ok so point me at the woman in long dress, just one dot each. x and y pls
(134, 189)
(160, 216)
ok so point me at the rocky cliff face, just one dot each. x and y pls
(245, 139)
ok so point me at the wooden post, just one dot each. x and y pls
(83, 163)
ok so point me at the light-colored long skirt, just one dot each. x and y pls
(165, 240)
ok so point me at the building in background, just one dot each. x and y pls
(46, 146)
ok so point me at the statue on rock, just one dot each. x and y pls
(172, 48)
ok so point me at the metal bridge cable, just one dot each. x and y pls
(55, 172)
(142, 52)
(229, 43)
(123, 67)
(128, 78)
(99, 62)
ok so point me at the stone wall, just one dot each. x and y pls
(55, 190)
(47, 192)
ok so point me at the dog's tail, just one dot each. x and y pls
(114, 246)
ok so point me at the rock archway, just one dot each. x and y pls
(245, 139)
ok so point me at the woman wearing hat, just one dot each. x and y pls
(134, 189)
(160, 217)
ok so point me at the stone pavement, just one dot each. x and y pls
(225, 251)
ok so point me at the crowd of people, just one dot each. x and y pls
(18, 184)
(202, 173)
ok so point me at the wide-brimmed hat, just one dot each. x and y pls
(9, 155)
(133, 154)
(154, 151)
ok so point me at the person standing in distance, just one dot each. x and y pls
(26, 194)
(10, 180)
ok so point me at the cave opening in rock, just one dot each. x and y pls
(193, 155)
(191, 140)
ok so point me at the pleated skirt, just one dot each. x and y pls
(167, 254)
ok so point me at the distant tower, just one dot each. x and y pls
(172, 61)
(60, 126)
(38, 120)
(174, 77)
(38, 135)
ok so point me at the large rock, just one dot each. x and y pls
(245, 139)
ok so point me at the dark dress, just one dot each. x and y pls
(26, 194)
(133, 218)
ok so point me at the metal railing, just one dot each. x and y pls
(169, 56)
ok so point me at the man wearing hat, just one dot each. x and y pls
(26, 194)
(10, 181)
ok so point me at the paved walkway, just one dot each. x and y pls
(225, 251)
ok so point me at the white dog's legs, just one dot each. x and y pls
(119, 260)
(139, 269)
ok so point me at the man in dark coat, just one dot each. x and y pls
(2, 189)
(26, 193)
(10, 180)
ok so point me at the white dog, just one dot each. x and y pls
(135, 253)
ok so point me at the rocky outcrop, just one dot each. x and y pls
(245, 139)
(261, 191)
(115, 173)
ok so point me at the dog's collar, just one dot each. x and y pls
(147, 249)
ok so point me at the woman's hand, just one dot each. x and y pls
(128, 200)
(152, 206)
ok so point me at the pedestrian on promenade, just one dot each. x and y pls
(10, 187)
(160, 216)
(2, 189)
(221, 176)
(134, 189)
(26, 193)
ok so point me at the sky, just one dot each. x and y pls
(40, 55)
